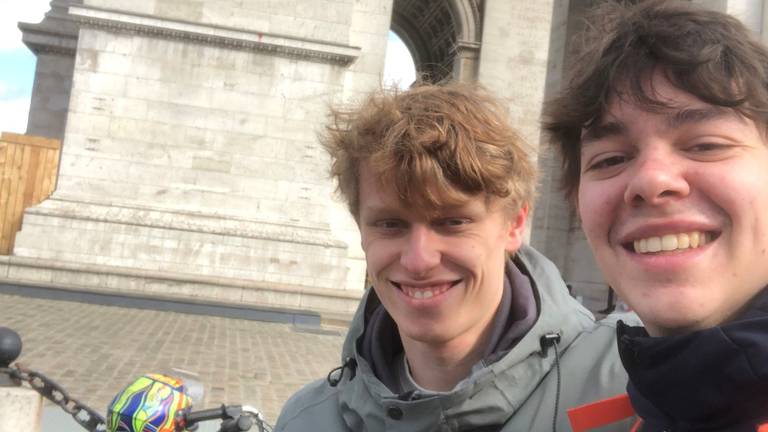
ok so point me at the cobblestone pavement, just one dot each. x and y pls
(93, 351)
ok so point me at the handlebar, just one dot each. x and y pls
(241, 424)
(235, 418)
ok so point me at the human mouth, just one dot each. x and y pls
(425, 291)
(672, 242)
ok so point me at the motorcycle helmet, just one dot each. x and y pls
(149, 404)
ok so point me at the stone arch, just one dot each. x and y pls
(442, 35)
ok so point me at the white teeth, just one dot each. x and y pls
(669, 242)
(424, 293)
(654, 244)
(672, 242)
(695, 239)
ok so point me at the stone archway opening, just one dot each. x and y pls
(443, 36)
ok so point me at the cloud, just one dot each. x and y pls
(15, 11)
(13, 115)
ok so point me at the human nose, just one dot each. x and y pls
(421, 252)
(657, 179)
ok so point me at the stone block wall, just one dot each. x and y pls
(326, 20)
(191, 145)
(196, 128)
(514, 57)
(550, 225)
(556, 230)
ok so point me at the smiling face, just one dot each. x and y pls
(675, 207)
(440, 276)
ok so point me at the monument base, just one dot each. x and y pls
(175, 254)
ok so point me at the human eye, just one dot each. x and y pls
(452, 223)
(390, 225)
(709, 150)
(605, 162)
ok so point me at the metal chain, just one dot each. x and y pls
(85, 416)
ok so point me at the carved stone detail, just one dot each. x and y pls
(226, 37)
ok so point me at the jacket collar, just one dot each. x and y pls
(712, 379)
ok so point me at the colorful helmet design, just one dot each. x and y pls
(149, 404)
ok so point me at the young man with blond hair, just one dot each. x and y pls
(465, 327)
(663, 132)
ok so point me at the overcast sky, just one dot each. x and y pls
(17, 63)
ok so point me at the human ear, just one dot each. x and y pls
(516, 229)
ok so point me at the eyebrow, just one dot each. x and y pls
(378, 210)
(673, 120)
(698, 115)
(603, 130)
(385, 211)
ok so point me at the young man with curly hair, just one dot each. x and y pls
(465, 327)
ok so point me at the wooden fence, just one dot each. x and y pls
(28, 170)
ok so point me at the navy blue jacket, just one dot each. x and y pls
(709, 380)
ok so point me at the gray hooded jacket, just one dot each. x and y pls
(518, 392)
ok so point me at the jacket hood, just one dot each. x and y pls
(491, 394)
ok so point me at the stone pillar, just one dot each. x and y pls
(466, 61)
(522, 59)
(54, 42)
(551, 224)
(190, 165)
(514, 51)
(764, 23)
(20, 409)
(556, 230)
(513, 60)
(50, 95)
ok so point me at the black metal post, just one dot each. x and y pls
(10, 348)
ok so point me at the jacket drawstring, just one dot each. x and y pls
(349, 363)
(551, 340)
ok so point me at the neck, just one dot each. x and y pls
(439, 367)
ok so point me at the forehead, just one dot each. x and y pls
(662, 106)
(657, 95)
(377, 197)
